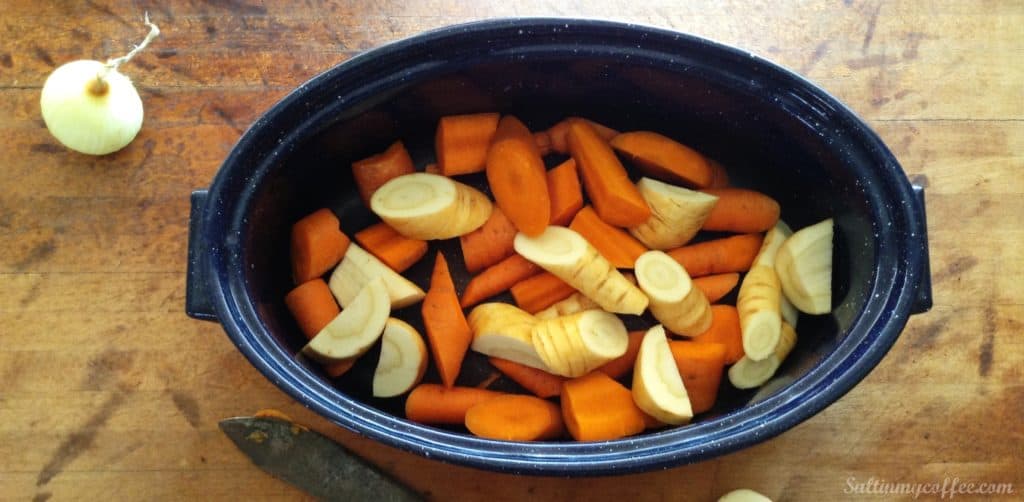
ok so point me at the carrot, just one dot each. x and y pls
(317, 244)
(701, 366)
(565, 192)
(446, 326)
(498, 278)
(430, 403)
(540, 292)
(664, 158)
(719, 177)
(314, 307)
(596, 408)
(622, 365)
(517, 177)
(374, 171)
(614, 196)
(488, 244)
(543, 141)
(515, 418)
(541, 383)
(489, 380)
(718, 285)
(389, 246)
(432, 168)
(620, 248)
(724, 330)
(461, 142)
(557, 139)
(652, 423)
(741, 210)
(719, 256)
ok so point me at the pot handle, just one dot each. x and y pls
(198, 302)
(923, 299)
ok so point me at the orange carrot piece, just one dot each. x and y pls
(720, 177)
(446, 326)
(374, 171)
(338, 368)
(461, 142)
(719, 256)
(515, 417)
(557, 138)
(701, 366)
(517, 177)
(615, 198)
(741, 210)
(490, 243)
(617, 246)
(539, 382)
(317, 245)
(543, 141)
(394, 249)
(664, 158)
(623, 364)
(540, 292)
(653, 423)
(489, 380)
(566, 194)
(430, 403)
(314, 307)
(498, 278)
(432, 168)
(724, 330)
(716, 286)
(596, 408)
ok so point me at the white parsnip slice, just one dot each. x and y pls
(674, 301)
(773, 240)
(677, 214)
(789, 313)
(355, 329)
(359, 267)
(577, 344)
(743, 495)
(505, 331)
(403, 359)
(429, 206)
(576, 302)
(657, 385)
(748, 373)
(567, 255)
(804, 265)
(759, 307)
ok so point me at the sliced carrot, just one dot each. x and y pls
(489, 380)
(661, 157)
(617, 246)
(515, 418)
(389, 246)
(432, 168)
(488, 244)
(565, 191)
(336, 369)
(719, 256)
(447, 329)
(539, 382)
(498, 278)
(725, 330)
(540, 292)
(613, 195)
(517, 177)
(461, 142)
(557, 138)
(543, 141)
(313, 307)
(374, 171)
(623, 364)
(720, 177)
(431, 403)
(596, 408)
(741, 210)
(653, 423)
(716, 286)
(701, 366)
(317, 245)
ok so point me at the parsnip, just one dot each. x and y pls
(567, 255)
(355, 329)
(759, 308)
(657, 385)
(789, 313)
(674, 301)
(773, 240)
(743, 495)
(576, 302)
(804, 265)
(748, 373)
(677, 214)
(403, 359)
(505, 331)
(577, 344)
(359, 267)
(429, 206)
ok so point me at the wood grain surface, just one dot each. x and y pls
(108, 391)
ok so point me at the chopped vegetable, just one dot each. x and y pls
(674, 301)
(743, 495)
(317, 244)
(748, 373)
(427, 206)
(597, 408)
(355, 329)
(462, 141)
(724, 330)
(373, 172)
(403, 359)
(773, 240)
(701, 365)
(430, 403)
(657, 385)
(515, 418)
(617, 246)
(359, 267)
(516, 175)
(557, 137)
(502, 330)
(565, 192)
(395, 250)
(540, 292)
(576, 302)
(313, 307)
(664, 158)
(447, 329)
(498, 278)
(804, 265)
(760, 318)
(741, 210)
(613, 195)
(577, 344)
(719, 177)
(719, 256)
(717, 286)
(539, 382)
(490, 243)
(676, 214)
(622, 365)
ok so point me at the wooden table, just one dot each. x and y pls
(107, 390)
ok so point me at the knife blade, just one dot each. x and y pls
(311, 461)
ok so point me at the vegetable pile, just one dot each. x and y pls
(577, 247)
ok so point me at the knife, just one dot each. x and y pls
(311, 461)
